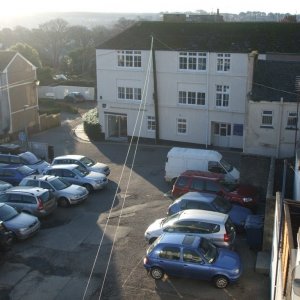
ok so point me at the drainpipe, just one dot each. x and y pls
(155, 95)
(280, 124)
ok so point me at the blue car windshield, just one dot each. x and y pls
(24, 170)
(208, 250)
(7, 212)
(222, 205)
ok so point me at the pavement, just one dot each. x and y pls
(79, 133)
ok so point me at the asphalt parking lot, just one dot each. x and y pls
(95, 250)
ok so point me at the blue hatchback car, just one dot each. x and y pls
(14, 173)
(191, 256)
(206, 201)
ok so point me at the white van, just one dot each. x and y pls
(183, 159)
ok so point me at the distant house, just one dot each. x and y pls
(192, 79)
(272, 126)
(18, 94)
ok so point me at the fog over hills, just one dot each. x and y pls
(90, 19)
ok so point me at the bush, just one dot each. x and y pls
(91, 125)
(55, 106)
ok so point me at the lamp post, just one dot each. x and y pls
(25, 128)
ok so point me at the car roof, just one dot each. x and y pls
(180, 239)
(41, 177)
(199, 214)
(198, 196)
(70, 156)
(63, 166)
(28, 189)
(11, 166)
(203, 174)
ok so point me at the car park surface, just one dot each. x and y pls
(65, 250)
(65, 192)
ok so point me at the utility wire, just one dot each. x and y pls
(116, 192)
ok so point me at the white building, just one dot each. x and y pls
(197, 87)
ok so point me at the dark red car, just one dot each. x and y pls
(197, 181)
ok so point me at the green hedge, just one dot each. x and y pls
(92, 126)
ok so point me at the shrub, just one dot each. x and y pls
(92, 126)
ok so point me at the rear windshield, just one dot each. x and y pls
(45, 196)
(222, 205)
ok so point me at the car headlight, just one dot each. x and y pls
(22, 230)
(236, 271)
(247, 199)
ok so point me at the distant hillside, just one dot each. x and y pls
(86, 19)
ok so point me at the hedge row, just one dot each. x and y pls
(91, 125)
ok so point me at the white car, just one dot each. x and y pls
(82, 161)
(214, 226)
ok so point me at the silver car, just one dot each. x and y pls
(78, 175)
(21, 224)
(65, 192)
(83, 161)
(32, 200)
(212, 225)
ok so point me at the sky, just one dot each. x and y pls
(26, 7)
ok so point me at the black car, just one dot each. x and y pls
(6, 238)
(74, 97)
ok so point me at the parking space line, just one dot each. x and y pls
(174, 288)
(227, 292)
(132, 271)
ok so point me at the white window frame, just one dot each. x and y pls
(151, 123)
(129, 93)
(181, 126)
(222, 95)
(191, 98)
(129, 59)
(193, 61)
(267, 118)
(292, 120)
(223, 62)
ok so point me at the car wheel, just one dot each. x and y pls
(221, 282)
(157, 273)
(151, 241)
(88, 187)
(63, 202)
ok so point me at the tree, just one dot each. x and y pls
(289, 19)
(53, 37)
(28, 52)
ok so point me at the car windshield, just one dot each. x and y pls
(222, 205)
(171, 219)
(7, 212)
(81, 171)
(87, 161)
(29, 158)
(208, 250)
(226, 165)
(24, 170)
(60, 184)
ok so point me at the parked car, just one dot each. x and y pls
(197, 181)
(65, 192)
(28, 159)
(21, 224)
(74, 97)
(32, 200)
(212, 225)
(6, 238)
(191, 256)
(4, 186)
(82, 161)
(210, 202)
(78, 175)
(10, 148)
(13, 174)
